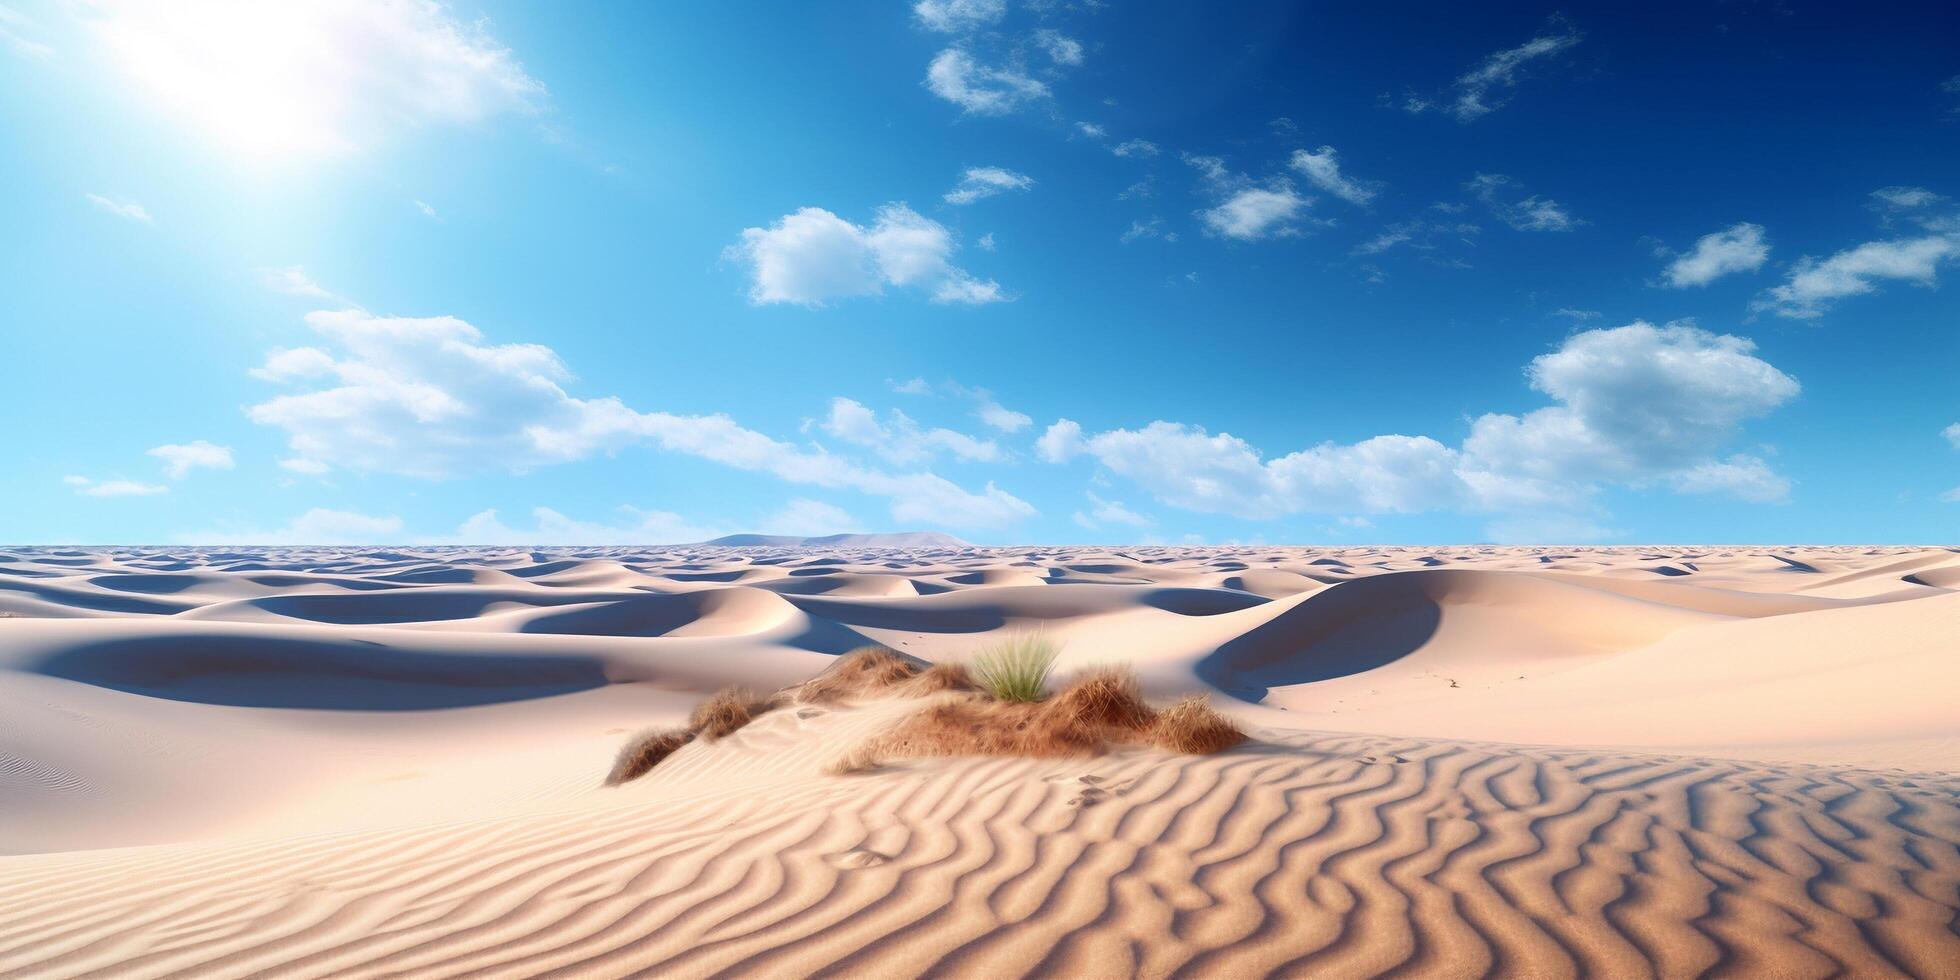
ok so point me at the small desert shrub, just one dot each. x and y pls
(726, 712)
(862, 672)
(1192, 726)
(644, 751)
(1016, 669)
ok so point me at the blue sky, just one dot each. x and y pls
(362, 272)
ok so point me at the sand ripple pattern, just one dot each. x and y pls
(1306, 856)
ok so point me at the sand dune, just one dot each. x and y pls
(1533, 762)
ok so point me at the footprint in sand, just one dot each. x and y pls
(805, 714)
(1383, 760)
(1088, 797)
(857, 858)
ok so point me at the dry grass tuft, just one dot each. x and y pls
(725, 713)
(863, 672)
(939, 679)
(1107, 697)
(1193, 727)
(644, 751)
(1101, 708)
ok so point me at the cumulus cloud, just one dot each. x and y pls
(981, 90)
(1322, 169)
(121, 209)
(1740, 248)
(180, 460)
(113, 488)
(1247, 211)
(1484, 88)
(1638, 405)
(429, 397)
(1062, 442)
(278, 79)
(1952, 434)
(951, 16)
(1815, 285)
(812, 256)
(1509, 204)
(900, 439)
(983, 182)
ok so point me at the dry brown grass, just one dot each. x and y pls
(644, 751)
(864, 672)
(1193, 727)
(1108, 697)
(1099, 709)
(939, 679)
(725, 713)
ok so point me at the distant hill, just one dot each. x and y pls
(901, 539)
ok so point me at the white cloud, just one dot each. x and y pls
(428, 210)
(549, 527)
(293, 281)
(1815, 285)
(950, 16)
(985, 243)
(121, 209)
(1135, 148)
(1479, 91)
(427, 397)
(179, 460)
(1145, 229)
(1635, 406)
(317, 526)
(113, 488)
(810, 518)
(1255, 213)
(900, 439)
(1062, 442)
(312, 76)
(1060, 48)
(1901, 198)
(813, 256)
(915, 386)
(1525, 213)
(1952, 434)
(1322, 168)
(1091, 130)
(996, 415)
(1737, 249)
(12, 24)
(1102, 512)
(982, 182)
(1743, 476)
(979, 89)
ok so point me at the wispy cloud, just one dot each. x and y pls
(1526, 212)
(1484, 88)
(121, 209)
(984, 182)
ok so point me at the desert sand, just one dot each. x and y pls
(1466, 761)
